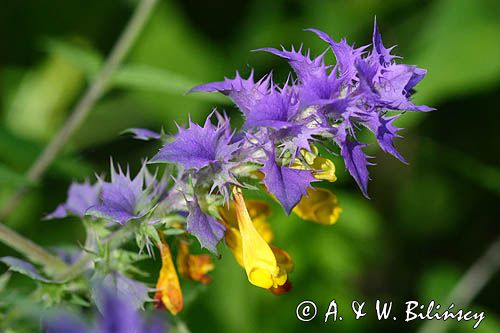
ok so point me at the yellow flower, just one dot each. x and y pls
(259, 212)
(320, 206)
(194, 266)
(266, 266)
(168, 290)
(312, 161)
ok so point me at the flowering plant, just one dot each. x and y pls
(191, 194)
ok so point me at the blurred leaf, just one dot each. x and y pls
(436, 283)
(454, 43)
(467, 166)
(173, 232)
(142, 77)
(77, 300)
(4, 280)
(170, 41)
(42, 98)
(10, 177)
(86, 59)
(25, 268)
(430, 213)
(19, 154)
(359, 217)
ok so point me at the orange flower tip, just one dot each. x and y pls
(170, 301)
(206, 279)
(157, 303)
(283, 289)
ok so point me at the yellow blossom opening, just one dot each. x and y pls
(320, 206)
(312, 161)
(168, 290)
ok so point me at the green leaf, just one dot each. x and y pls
(40, 101)
(77, 300)
(148, 78)
(10, 177)
(437, 282)
(88, 60)
(487, 176)
(4, 279)
(20, 153)
(25, 268)
(458, 60)
(174, 232)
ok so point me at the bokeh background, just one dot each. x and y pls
(426, 223)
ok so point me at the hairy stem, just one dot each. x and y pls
(113, 241)
(94, 91)
(469, 285)
(31, 250)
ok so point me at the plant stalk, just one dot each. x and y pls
(32, 251)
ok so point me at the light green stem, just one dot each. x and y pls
(32, 251)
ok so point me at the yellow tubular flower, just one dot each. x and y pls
(311, 161)
(233, 241)
(259, 212)
(320, 206)
(259, 259)
(194, 266)
(168, 290)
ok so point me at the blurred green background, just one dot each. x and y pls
(426, 222)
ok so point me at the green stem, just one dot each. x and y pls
(31, 250)
(95, 90)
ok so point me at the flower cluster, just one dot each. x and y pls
(283, 147)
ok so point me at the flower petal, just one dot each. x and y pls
(258, 258)
(168, 289)
(197, 146)
(194, 266)
(323, 168)
(320, 206)
(143, 134)
(244, 92)
(204, 227)
(288, 185)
